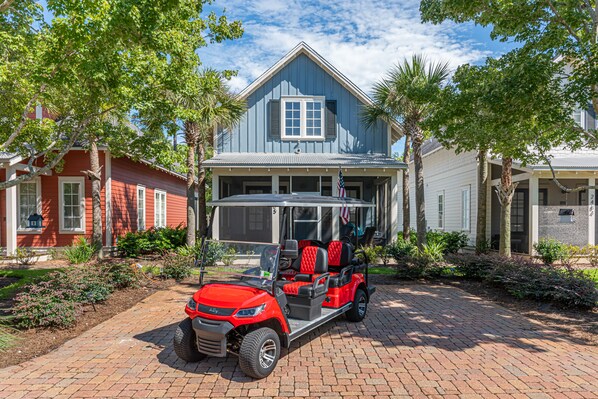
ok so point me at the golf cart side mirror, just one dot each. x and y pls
(291, 249)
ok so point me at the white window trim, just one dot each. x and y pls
(303, 112)
(440, 194)
(71, 179)
(38, 185)
(156, 192)
(466, 189)
(142, 188)
(582, 117)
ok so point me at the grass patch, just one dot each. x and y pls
(383, 270)
(25, 276)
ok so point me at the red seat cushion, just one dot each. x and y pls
(308, 260)
(293, 288)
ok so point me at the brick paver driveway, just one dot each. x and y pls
(417, 341)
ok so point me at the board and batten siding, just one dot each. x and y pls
(303, 77)
(126, 175)
(449, 172)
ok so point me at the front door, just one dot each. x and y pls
(519, 221)
(258, 220)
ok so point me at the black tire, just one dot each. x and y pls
(359, 308)
(253, 346)
(185, 345)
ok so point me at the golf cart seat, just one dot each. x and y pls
(339, 263)
(307, 291)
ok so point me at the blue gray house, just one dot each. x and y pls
(301, 125)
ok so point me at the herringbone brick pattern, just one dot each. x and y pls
(417, 341)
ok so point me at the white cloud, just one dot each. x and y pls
(362, 39)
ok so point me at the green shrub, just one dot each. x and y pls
(592, 254)
(524, 278)
(451, 241)
(412, 236)
(81, 251)
(385, 255)
(214, 253)
(25, 256)
(370, 252)
(151, 241)
(229, 256)
(42, 305)
(122, 275)
(433, 251)
(471, 266)
(483, 247)
(401, 249)
(177, 266)
(551, 250)
(91, 284)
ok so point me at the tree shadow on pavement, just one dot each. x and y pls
(413, 316)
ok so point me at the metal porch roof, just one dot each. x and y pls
(289, 160)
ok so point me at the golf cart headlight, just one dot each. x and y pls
(192, 304)
(250, 312)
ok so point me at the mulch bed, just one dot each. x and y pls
(37, 342)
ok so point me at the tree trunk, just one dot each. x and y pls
(95, 175)
(505, 196)
(406, 205)
(202, 212)
(480, 239)
(191, 134)
(420, 200)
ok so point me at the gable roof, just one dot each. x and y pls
(304, 49)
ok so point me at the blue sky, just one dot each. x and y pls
(361, 38)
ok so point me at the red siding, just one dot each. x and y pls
(74, 162)
(126, 175)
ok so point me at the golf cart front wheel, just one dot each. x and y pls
(359, 308)
(259, 352)
(185, 344)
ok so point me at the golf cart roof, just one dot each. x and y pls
(288, 200)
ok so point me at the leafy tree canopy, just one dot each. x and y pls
(92, 65)
(567, 29)
(515, 106)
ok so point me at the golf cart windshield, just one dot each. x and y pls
(245, 263)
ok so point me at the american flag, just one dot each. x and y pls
(345, 215)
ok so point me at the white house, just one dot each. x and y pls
(540, 208)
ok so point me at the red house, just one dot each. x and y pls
(136, 195)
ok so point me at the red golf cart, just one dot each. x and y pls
(255, 298)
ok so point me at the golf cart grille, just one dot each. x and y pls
(214, 310)
(211, 347)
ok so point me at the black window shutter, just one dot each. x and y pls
(330, 119)
(590, 118)
(274, 119)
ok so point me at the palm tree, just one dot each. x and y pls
(408, 95)
(211, 104)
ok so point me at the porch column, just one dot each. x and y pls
(533, 212)
(592, 212)
(394, 206)
(336, 229)
(11, 213)
(275, 211)
(108, 197)
(215, 196)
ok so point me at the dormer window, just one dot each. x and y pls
(302, 118)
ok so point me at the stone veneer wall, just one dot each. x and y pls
(574, 233)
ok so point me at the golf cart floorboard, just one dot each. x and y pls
(302, 327)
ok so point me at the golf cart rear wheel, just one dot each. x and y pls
(259, 352)
(185, 344)
(360, 306)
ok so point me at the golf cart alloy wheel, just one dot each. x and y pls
(259, 352)
(362, 306)
(267, 354)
